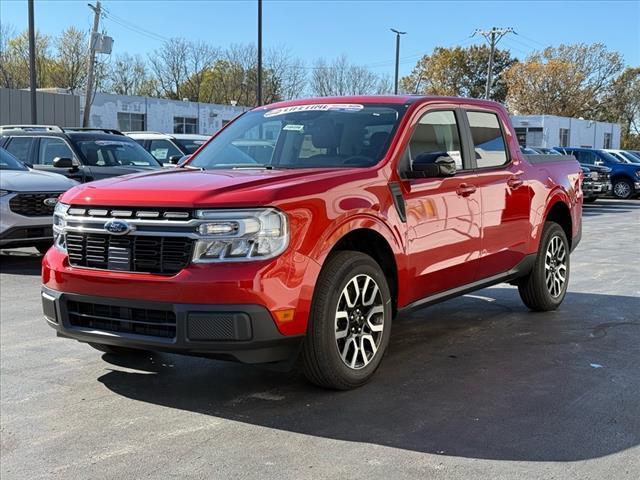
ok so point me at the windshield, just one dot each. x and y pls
(304, 136)
(629, 157)
(116, 153)
(9, 162)
(190, 146)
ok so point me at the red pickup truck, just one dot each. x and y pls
(302, 228)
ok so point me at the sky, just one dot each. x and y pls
(311, 28)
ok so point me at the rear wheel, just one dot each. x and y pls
(349, 324)
(545, 287)
(115, 350)
(622, 189)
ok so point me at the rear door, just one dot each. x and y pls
(506, 196)
(21, 147)
(442, 214)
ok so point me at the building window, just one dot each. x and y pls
(185, 125)
(564, 137)
(521, 135)
(607, 140)
(131, 122)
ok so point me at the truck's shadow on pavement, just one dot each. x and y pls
(474, 377)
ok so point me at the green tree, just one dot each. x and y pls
(569, 80)
(459, 71)
(621, 104)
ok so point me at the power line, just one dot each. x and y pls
(133, 27)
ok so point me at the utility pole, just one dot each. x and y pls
(259, 79)
(492, 36)
(398, 33)
(90, 62)
(32, 65)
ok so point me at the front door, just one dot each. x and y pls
(51, 148)
(443, 214)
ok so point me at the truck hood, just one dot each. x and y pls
(34, 181)
(181, 187)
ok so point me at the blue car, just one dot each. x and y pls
(625, 177)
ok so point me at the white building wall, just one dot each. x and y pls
(582, 133)
(159, 112)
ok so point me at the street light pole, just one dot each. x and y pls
(32, 65)
(398, 33)
(259, 79)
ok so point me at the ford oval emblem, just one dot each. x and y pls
(117, 227)
(50, 202)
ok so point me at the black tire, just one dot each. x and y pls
(623, 189)
(534, 290)
(590, 199)
(43, 247)
(322, 362)
(115, 350)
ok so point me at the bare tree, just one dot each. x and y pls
(169, 65)
(128, 75)
(340, 77)
(69, 67)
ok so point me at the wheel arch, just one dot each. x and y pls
(560, 213)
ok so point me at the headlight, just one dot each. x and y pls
(4, 192)
(638, 173)
(241, 235)
(59, 223)
(594, 175)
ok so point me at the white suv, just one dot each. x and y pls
(27, 200)
(168, 148)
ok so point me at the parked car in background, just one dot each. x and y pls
(27, 200)
(545, 151)
(529, 151)
(595, 182)
(624, 156)
(368, 205)
(635, 152)
(168, 149)
(625, 177)
(83, 154)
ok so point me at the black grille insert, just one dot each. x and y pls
(133, 253)
(33, 204)
(112, 318)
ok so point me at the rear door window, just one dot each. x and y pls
(488, 141)
(19, 147)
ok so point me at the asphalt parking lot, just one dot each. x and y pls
(476, 387)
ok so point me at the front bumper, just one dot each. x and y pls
(22, 231)
(245, 333)
(595, 188)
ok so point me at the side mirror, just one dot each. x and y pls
(431, 165)
(174, 159)
(63, 162)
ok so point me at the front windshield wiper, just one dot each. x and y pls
(190, 167)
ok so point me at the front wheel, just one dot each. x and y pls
(545, 287)
(349, 323)
(622, 189)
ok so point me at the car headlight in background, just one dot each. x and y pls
(638, 173)
(594, 175)
(58, 226)
(241, 235)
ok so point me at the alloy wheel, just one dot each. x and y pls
(555, 266)
(359, 321)
(622, 190)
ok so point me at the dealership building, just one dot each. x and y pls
(552, 131)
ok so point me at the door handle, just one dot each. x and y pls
(515, 182)
(464, 189)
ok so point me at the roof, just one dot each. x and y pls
(158, 135)
(378, 99)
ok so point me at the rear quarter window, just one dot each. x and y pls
(19, 147)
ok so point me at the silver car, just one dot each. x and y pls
(27, 200)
